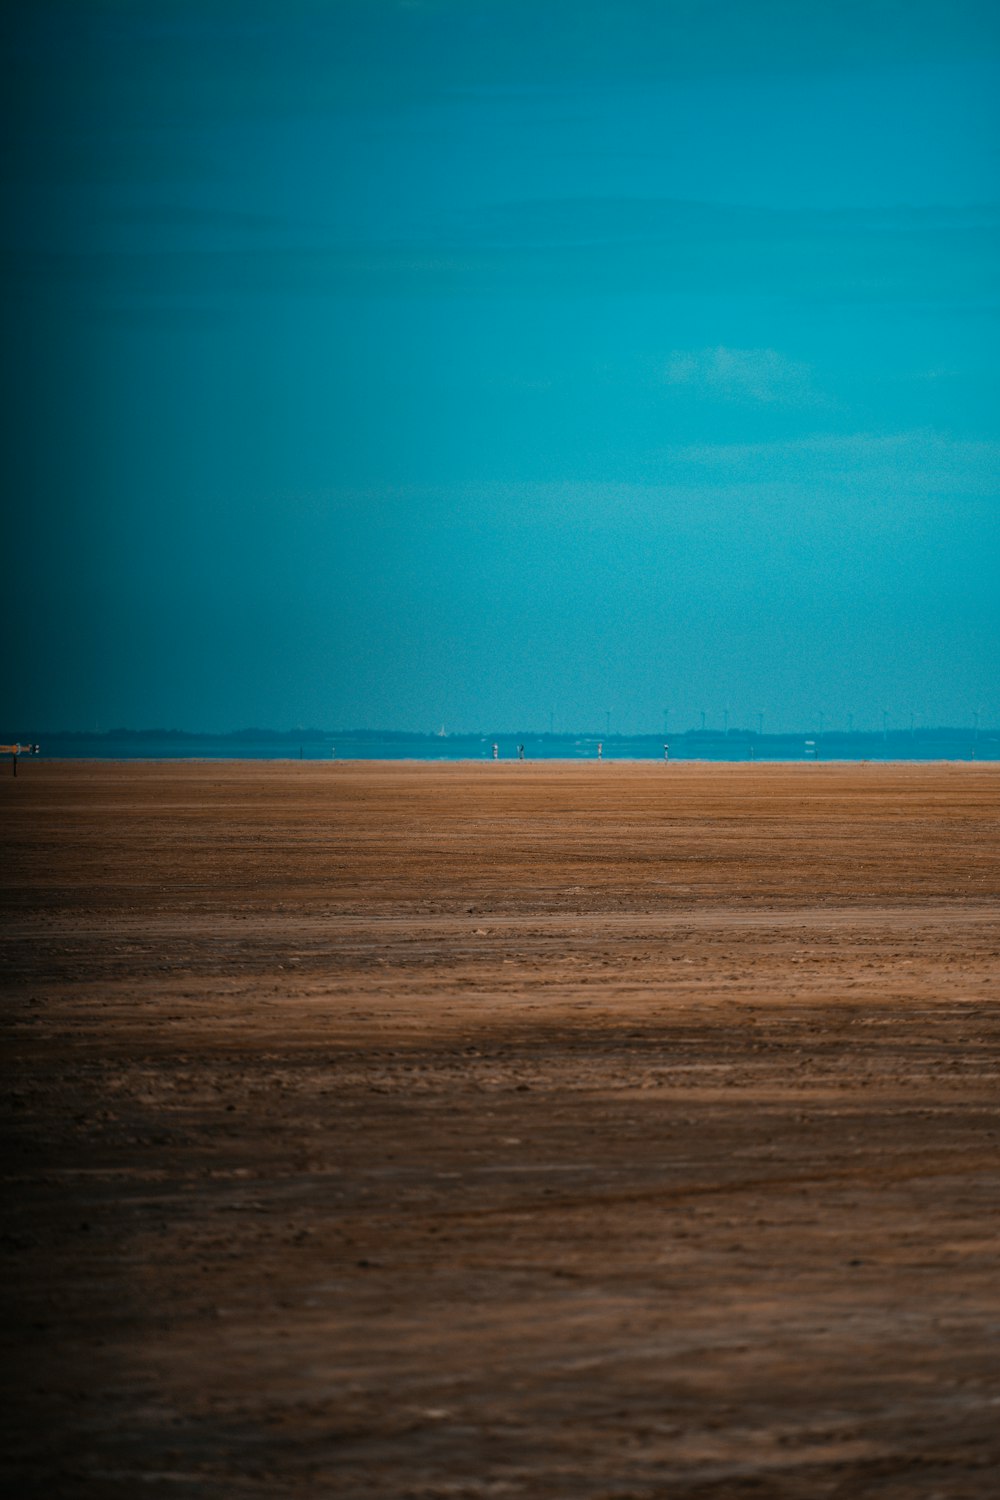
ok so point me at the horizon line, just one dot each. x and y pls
(707, 732)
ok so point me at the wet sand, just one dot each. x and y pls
(501, 1131)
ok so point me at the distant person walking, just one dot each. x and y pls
(600, 749)
(496, 752)
(666, 752)
(520, 752)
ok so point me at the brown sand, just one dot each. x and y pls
(501, 1131)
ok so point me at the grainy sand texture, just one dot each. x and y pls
(552, 1132)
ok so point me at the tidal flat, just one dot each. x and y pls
(559, 1131)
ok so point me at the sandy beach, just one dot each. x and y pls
(564, 1131)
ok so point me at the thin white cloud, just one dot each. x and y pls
(914, 464)
(917, 444)
(763, 376)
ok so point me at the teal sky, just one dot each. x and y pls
(407, 362)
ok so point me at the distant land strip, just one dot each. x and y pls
(847, 738)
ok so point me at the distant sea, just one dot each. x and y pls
(311, 744)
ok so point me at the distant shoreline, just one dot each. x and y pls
(776, 749)
(944, 734)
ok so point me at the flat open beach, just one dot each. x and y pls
(464, 1132)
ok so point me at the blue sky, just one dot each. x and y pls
(408, 362)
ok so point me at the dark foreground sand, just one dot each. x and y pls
(501, 1131)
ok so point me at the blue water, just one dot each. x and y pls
(948, 744)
